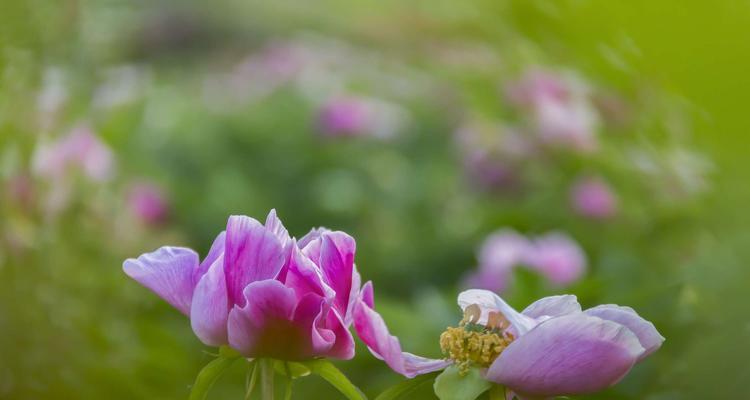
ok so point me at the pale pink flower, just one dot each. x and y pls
(148, 203)
(592, 198)
(557, 257)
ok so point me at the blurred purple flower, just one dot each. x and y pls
(348, 116)
(148, 203)
(492, 155)
(20, 190)
(561, 111)
(499, 254)
(557, 257)
(537, 86)
(80, 149)
(260, 291)
(344, 116)
(591, 197)
(552, 348)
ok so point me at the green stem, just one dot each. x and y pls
(266, 379)
(251, 379)
(497, 392)
(288, 392)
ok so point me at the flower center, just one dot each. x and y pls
(472, 344)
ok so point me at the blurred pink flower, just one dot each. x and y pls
(557, 257)
(344, 116)
(80, 149)
(348, 116)
(260, 291)
(148, 203)
(591, 197)
(499, 254)
(561, 112)
(493, 154)
(567, 125)
(536, 86)
(20, 190)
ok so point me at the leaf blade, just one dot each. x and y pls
(209, 375)
(326, 370)
(406, 388)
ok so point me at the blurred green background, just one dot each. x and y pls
(218, 106)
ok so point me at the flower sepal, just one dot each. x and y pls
(455, 383)
(291, 369)
(212, 371)
(326, 370)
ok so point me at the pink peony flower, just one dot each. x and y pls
(552, 348)
(593, 198)
(260, 291)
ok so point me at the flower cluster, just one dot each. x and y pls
(554, 255)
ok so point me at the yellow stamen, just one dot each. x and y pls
(471, 344)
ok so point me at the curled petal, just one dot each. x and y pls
(168, 272)
(262, 328)
(553, 306)
(253, 253)
(488, 301)
(274, 224)
(309, 320)
(646, 332)
(374, 333)
(210, 307)
(304, 276)
(337, 263)
(343, 347)
(311, 236)
(569, 355)
(216, 251)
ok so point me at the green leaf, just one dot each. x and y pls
(336, 378)
(405, 389)
(210, 373)
(450, 385)
(297, 370)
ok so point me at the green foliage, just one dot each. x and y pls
(332, 375)
(406, 389)
(451, 384)
(210, 374)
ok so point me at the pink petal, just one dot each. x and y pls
(273, 224)
(216, 251)
(253, 253)
(337, 263)
(343, 347)
(168, 272)
(569, 355)
(311, 236)
(304, 277)
(374, 333)
(274, 324)
(262, 328)
(488, 301)
(553, 306)
(647, 334)
(309, 321)
(210, 308)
